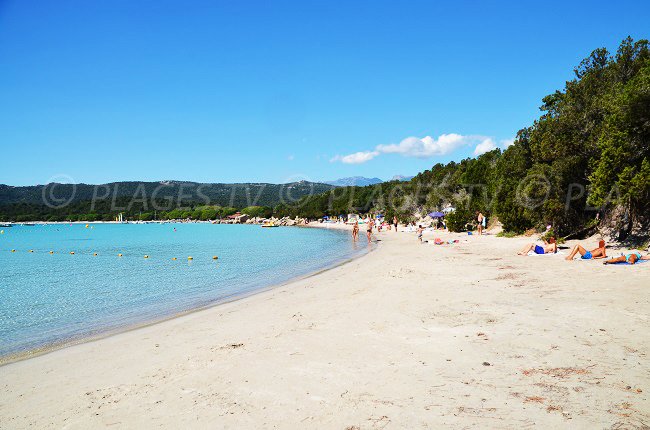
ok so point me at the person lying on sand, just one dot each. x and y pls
(548, 248)
(588, 255)
(630, 258)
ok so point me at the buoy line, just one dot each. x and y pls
(95, 254)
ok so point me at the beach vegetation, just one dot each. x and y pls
(258, 211)
(587, 155)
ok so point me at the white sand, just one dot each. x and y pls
(400, 338)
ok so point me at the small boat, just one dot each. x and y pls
(6, 225)
(269, 224)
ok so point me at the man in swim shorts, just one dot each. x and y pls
(588, 255)
(371, 224)
(549, 247)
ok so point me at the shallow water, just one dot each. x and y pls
(52, 298)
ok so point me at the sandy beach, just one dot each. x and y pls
(468, 335)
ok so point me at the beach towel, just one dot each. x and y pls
(625, 263)
(532, 253)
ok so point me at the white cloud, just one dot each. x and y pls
(507, 142)
(425, 147)
(356, 158)
(486, 145)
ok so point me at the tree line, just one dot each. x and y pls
(587, 156)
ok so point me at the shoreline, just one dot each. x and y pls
(103, 334)
(462, 335)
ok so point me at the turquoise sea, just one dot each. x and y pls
(52, 298)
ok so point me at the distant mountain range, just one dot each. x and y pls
(354, 181)
(59, 202)
(361, 181)
(176, 193)
(402, 178)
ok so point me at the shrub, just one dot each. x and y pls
(457, 221)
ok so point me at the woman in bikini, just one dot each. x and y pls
(355, 231)
(630, 258)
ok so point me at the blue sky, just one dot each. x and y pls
(273, 91)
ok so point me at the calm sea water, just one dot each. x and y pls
(50, 298)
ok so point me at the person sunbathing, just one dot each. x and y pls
(599, 252)
(630, 258)
(549, 247)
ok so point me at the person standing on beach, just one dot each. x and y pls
(355, 231)
(371, 224)
(420, 232)
(395, 223)
(481, 222)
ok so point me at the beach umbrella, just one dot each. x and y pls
(436, 214)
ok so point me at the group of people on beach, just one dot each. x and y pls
(370, 224)
(598, 252)
(546, 247)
